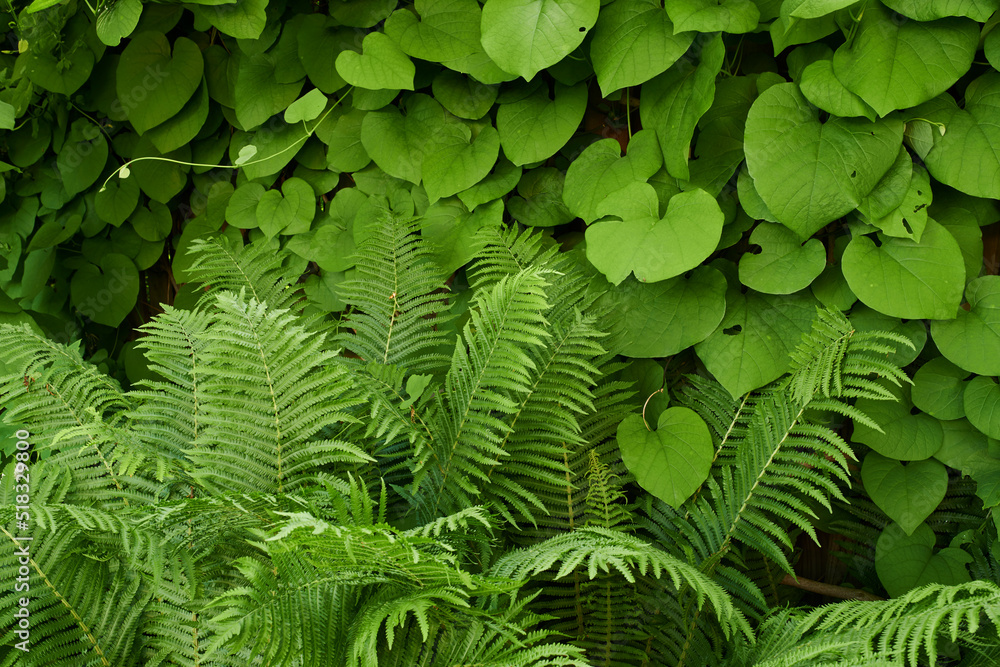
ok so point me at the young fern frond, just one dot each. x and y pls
(395, 299)
(272, 385)
(257, 268)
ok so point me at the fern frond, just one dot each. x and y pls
(259, 269)
(396, 299)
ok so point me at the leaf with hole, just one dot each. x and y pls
(784, 264)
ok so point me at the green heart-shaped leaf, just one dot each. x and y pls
(907, 279)
(154, 85)
(601, 170)
(899, 64)
(965, 156)
(751, 345)
(908, 494)
(82, 157)
(822, 87)
(810, 173)
(185, 126)
(535, 127)
(642, 242)
(865, 319)
(452, 231)
(245, 19)
(152, 223)
(526, 36)
(307, 107)
(672, 103)
(258, 94)
(982, 405)
(504, 178)
(905, 436)
(382, 65)
(904, 562)
(117, 200)
(400, 144)
(783, 265)
(972, 339)
(117, 20)
(288, 212)
(891, 189)
(446, 30)
(672, 461)
(634, 41)
(733, 16)
(539, 200)
(661, 319)
(456, 164)
(107, 294)
(938, 388)
(463, 96)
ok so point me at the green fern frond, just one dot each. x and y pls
(258, 268)
(396, 299)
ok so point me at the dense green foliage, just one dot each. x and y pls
(641, 391)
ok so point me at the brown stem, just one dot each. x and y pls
(829, 590)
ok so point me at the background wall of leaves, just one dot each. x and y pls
(727, 166)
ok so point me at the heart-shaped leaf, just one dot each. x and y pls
(972, 339)
(107, 294)
(463, 96)
(938, 388)
(600, 170)
(241, 211)
(82, 157)
(982, 405)
(751, 345)
(456, 165)
(400, 144)
(808, 172)
(642, 242)
(245, 19)
(117, 201)
(822, 87)
(154, 84)
(733, 16)
(503, 179)
(446, 30)
(634, 41)
(904, 562)
(152, 223)
(905, 436)
(452, 231)
(382, 65)
(289, 212)
(894, 64)
(672, 103)
(908, 494)
(535, 127)
(965, 156)
(118, 19)
(907, 279)
(258, 93)
(672, 461)
(526, 36)
(661, 319)
(539, 200)
(307, 107)
(783, 265)
(865, 319)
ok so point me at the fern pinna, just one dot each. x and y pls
(443, 490)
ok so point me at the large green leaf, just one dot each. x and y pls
(672, 461)
(381, 66)
(399, 144)
(751, 345)
(288, 211)
(908, 494)
(185, 126)
(809, 172)
(446, 29)
(258, 95)
(938, 388)
(904, 562)
(906, 279)
(539, 200)
(972, 339)
(456, 164)
(243, 19)
(961, 151)
(106, 294)
(117, 20)
(154, 84)
(634, 41)
(735, 16)
(783, 264)
(82, 157)
(982, 405)
(822, 87)
(905, 436)
(600, 170)
(664, 318)
(653, 247)
(894, 64)
(535, 127)
(526, 36)
(672, 103)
